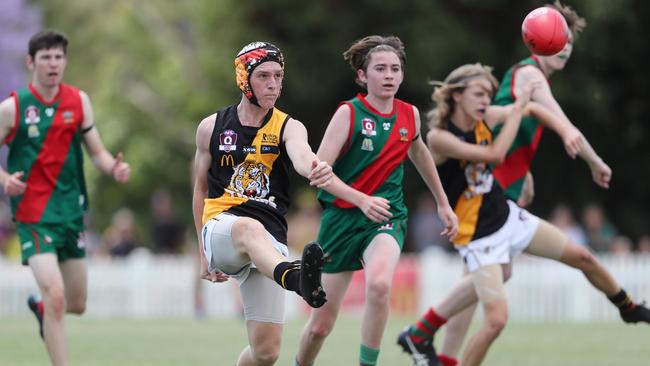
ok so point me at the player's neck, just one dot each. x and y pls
(546, 69)
(462, 120)
(249, 114)
(48, 93)
(382, 105)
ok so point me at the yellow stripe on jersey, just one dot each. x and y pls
(467, 212)
(479, 181)
(250, 179)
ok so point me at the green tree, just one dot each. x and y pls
(154, 68)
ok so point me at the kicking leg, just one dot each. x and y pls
(231, 243)
(550, 242)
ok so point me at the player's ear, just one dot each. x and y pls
(361, 75)
(457, 96)
(29, 62)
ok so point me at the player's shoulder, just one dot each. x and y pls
(207, 123)
(8, 104)
(530, 72)
(7, 109)
(292, 127)
(204, 132)
(343, 111)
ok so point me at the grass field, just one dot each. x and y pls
(218, 342)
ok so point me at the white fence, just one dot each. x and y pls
(151, 287)
(544, 290)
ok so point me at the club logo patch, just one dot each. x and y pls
(228, 141)
(250, 179)
(367, 145)
(68, 117)
(32, 115)
(368, 127)
(33, 132)
(403, 134)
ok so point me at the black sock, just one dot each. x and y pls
(622, 301)
(287, 275)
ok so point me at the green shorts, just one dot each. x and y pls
(346, 233)
(61, 239)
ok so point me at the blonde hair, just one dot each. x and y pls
(456, 81)
(576, 22)
(358, 55)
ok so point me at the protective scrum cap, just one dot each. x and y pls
(251, 56)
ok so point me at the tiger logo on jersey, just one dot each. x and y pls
(250, 179)
(479, 179)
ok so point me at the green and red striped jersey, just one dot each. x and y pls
(511, 172)
(45, 143)
(371, 160)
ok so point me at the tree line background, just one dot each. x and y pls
(154, 69)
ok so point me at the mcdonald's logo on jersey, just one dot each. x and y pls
(227, 160)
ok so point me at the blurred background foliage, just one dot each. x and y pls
(154, 69)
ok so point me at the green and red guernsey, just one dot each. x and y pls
(45, 143)
(512, 171)
(371, 160)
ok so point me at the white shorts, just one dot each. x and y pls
(504, 244)
(263, 298)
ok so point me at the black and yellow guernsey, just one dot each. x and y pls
(477, 199)
(249, 173)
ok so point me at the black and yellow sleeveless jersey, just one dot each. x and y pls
(248, 175)
(477, 199)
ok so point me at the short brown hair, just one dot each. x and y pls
(47, 39)
(576, 22)
(359, 53)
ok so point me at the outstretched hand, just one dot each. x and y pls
(321, 174)
(14, 186)
(573, 141)
(450, 220)
(601, 173)
(121, 170)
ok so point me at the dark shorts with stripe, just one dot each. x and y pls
(62, 239)
(346, 233)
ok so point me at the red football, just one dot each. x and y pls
(545, 31)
